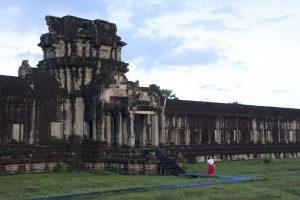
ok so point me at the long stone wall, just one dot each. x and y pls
(226, 152)
(25, 158)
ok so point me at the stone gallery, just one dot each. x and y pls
(79, 91)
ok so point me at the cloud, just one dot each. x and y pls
(281, 91)
(212, 87)
(121, 17)
(10, 10)
(275, 19)
(8, 15)
(190, 57)
(120, 13)
(21, 46)
(227, 10)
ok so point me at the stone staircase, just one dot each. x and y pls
(167, 164)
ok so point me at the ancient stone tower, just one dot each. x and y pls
(98, 102)
(76, 50)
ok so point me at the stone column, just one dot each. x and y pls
(120, 129)
(253, 137)
(294, 127)
(234, 135)
(155, 130)
(237, 136)
(279, 131)
(199, 136)
(149, 128)
(144, 130)
(187, 135)
(102, 125)
(33, 137)
(162, 138)
(131, 141)
(108, 128)
(217, 132)
(79, 113)
(262, 134)
(125, 131)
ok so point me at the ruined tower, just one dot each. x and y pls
(76, 50)
(84, 57)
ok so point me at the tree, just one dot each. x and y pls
(168, 94)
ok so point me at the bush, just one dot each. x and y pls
(267, 159)
(98, 171)
(63, 168)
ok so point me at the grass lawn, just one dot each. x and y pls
(279, 179)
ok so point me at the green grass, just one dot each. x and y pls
(279, 179)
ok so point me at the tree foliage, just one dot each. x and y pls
(168, 94)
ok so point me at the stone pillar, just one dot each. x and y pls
(149, 127)
(120, 129)
(102, 125)
(199, 136)
(216, 136)
(294, 127)
(108, 128)
(144, 130)
(234, 136)
(67, 119)
(32, 136)
(253, 138)
(285, 132)
(155, 130)
(68, 77)
(125, 131)
(131, 141)
(262, 134)
(228, 135)
(187, 136)
(238, 136)
(217, 132)
(162, 138)
(279, 131)
(79, 113)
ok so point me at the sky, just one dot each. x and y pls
(245, 51)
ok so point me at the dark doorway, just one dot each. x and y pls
(90, 129)
(182, 137)
(114, 131)
(204, 135)
(138, 130)
(193, 139)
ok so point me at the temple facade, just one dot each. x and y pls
(79, 91)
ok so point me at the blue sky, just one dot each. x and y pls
(204, 50)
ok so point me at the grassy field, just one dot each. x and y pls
(279, 179)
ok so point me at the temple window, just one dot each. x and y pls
(88, 129)
(268, 139)
(291, 134)
(168, 136)
(56, 130)
(105, 52)
(17, 132)
(181, 136)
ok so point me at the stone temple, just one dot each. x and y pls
(79, 91)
